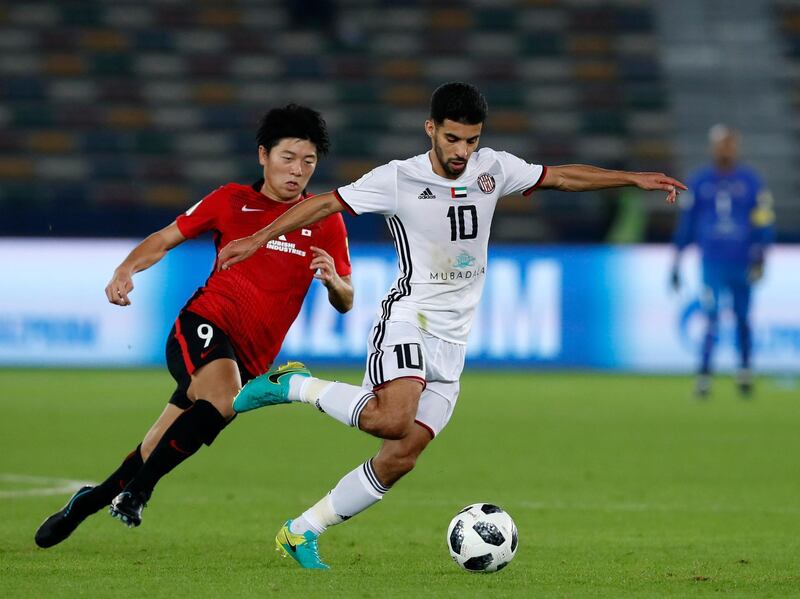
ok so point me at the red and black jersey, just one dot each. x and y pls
(256, 301)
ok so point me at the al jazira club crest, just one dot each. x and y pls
(486, 183)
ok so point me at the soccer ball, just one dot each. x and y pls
(482, 538)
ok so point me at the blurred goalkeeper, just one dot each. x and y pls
(728, 214)
(231, 328)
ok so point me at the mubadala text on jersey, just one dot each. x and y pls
(452, 275)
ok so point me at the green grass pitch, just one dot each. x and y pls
(620, 486)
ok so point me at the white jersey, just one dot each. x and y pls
(441, 233)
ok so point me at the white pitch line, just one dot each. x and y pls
(38, 486)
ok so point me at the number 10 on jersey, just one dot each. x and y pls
(459, 228)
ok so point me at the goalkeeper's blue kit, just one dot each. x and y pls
(729, 216)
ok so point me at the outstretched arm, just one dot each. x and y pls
(582, 177)
(304, 213)
(143, 256)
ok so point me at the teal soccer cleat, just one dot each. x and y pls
(269, 389)
(303, 548)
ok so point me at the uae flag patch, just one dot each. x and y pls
(458, 192)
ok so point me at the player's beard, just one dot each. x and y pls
(451, 174)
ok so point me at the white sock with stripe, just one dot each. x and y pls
(358, 490)
(341, 401)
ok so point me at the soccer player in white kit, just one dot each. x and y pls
(439, 207)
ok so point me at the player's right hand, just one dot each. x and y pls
(237, 250)
(119, 287)
(654, 181)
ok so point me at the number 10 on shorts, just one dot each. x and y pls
(409, 355)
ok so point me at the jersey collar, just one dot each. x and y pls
(426, 159)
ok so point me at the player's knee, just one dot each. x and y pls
(224, 404)
(217, 383)
(209, 421)
(221, 398)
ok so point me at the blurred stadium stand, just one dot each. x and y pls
(732, 62)
(118, 115)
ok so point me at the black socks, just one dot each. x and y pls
(101, 495)
(197, 425)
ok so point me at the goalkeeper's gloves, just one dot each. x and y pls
(755, 272)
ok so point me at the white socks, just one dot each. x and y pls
(357, 491)
(316, 518)
(341, 401)
(306, 388)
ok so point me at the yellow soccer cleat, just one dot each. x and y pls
(303, 548)
(269, 389)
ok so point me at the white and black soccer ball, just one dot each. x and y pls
(482, 538)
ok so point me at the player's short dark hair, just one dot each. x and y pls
(293, 120)
(459, 102)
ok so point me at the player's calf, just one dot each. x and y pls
(397, 458)
(197, 426)
(387, 413)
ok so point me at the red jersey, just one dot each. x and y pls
(256, 301)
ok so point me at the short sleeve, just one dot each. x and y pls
(519, 176)
(202, 216)
(374, 192)
(336, 245)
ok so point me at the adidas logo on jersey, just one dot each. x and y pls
(427, 194)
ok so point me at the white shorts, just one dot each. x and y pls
(401, 350)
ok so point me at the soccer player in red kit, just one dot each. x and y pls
(231, 329)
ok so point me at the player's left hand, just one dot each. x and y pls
(756, 272)
(324, 266)
(118, 288)
(652, 181)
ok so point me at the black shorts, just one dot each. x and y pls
(193, 342)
